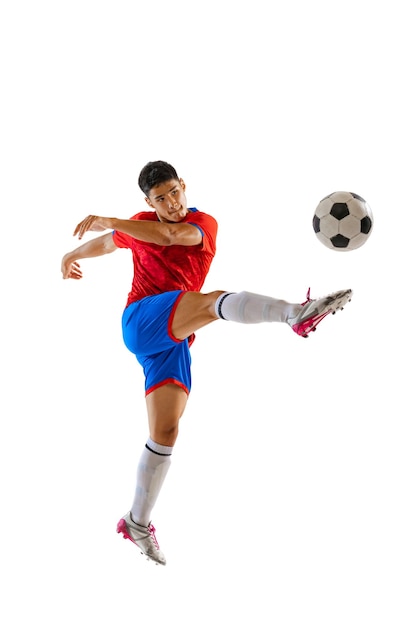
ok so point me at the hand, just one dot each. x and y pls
(70, 269)
(94, 223)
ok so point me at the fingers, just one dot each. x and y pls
(91, 222)
(73, 271)
(85, 225)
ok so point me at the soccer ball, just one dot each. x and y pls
(343, 221)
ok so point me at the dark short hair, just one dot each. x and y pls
(154, 173)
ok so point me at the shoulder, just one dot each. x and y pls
(197, 216)
(208, 227)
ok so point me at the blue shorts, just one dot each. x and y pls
(146, 329)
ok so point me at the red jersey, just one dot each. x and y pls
(158, 269)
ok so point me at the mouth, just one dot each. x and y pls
(179, 210)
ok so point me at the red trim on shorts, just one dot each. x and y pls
(167, 381)
(170, 319)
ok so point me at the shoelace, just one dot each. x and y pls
(308, 297)
(311, 323)
(151, 530)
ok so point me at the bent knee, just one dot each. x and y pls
(211, 299)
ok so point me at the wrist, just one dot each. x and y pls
(70, 257)
(111, 223)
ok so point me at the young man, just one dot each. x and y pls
(172, 249)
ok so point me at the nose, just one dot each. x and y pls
(173, 205)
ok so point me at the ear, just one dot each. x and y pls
(148, 201)
(182, 184)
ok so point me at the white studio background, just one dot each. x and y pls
(292, 494)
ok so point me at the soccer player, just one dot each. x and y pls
(172, 247)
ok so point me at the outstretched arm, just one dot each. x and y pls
(161, 233)
(95, 247)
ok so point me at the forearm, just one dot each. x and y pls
(144, 230)
(95, 247)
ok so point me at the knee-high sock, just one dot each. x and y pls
(252, 308)
(152, 470)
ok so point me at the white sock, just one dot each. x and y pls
(152, 470)
(252, 308)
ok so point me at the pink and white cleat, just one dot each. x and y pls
(314, 311)
(143, 537)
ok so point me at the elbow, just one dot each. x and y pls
(166, 240)
(169, 236)
(108, 245)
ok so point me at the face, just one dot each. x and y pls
(169, 200)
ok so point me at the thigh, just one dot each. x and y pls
(146, 324)
(172, 366)
(165, 406)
